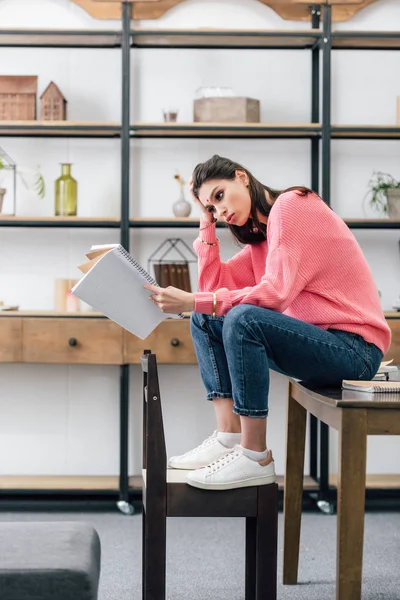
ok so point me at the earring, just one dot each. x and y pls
(255, 229)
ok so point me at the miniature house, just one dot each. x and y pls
(18, 98)
(54, 105)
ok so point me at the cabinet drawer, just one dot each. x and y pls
(72, 341)
(10, 339)
(170, 341)
(394, 350)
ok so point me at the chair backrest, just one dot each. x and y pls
(154, 451)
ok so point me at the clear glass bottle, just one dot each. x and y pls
(66, 192)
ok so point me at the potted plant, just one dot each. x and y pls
(32, 179)
(384, 193)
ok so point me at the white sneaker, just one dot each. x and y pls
(233, 470)
(209, 451)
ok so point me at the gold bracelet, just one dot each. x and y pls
(207, 226)
(209, 243)
(214, 304)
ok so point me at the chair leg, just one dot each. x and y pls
(293, 493)
(154, 543)
(267, 542)
(251, 541)
(143, 554)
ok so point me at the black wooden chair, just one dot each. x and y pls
(166, 494)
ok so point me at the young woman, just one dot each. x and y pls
(299, 298)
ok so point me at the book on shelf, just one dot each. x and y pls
(173, 273)
(112, 283)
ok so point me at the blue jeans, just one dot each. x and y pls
(236, 352)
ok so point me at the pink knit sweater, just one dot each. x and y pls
(310, 267)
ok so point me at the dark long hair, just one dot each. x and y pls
(218, 167)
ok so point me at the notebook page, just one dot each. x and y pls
(114, 287)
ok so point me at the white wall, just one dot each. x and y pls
(64, 419)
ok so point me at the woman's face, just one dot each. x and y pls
(228, 199)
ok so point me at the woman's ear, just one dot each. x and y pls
(242, 176)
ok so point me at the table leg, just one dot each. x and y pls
(293, 492)
(351, 503)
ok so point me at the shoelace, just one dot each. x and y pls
(222, 462)
(206, 443)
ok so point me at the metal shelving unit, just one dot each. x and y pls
(345, 40)
(320, 41)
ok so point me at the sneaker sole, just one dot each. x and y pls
(185, 467)
(231, 486)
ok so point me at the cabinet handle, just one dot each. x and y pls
(175, 342)
(72, 341)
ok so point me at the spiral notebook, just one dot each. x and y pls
(374, 387)
(113, 284)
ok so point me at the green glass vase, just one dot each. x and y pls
(66, 193)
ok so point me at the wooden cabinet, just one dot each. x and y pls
(97, 340)
(394, 350)
(72, 341)
(10, 340)
(171, 342)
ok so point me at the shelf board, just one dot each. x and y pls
(224, 39)
(13, 483)
(78, 222)
(51, 314)
(59, 38)
(154, 222)
(375, 482)
(168, 222)
(88, 222)
(228, 130)
(382, 132)
(60, 129)
(366, 40)
(372, 223)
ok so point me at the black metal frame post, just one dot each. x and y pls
(315, 96)
(326, 101)
(326, 195)
(125, 193)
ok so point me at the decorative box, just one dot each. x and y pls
(18, 98)
(226, 110)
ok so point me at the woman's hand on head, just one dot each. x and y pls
(171, 299)
(206, 213)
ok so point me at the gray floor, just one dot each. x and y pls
(205, 556)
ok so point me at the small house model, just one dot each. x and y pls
(54, 105)
(18, 98)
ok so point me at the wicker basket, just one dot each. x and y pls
(18, 98)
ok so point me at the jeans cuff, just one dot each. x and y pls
(244, 412)
(212, 395)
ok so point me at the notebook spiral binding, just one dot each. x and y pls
(142, 271)
(137, 266)
(386, 388)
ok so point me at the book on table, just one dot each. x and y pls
(375, 387)
(113, 284)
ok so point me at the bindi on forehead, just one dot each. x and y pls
(208, 200)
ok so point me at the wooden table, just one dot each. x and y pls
(355, 415)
